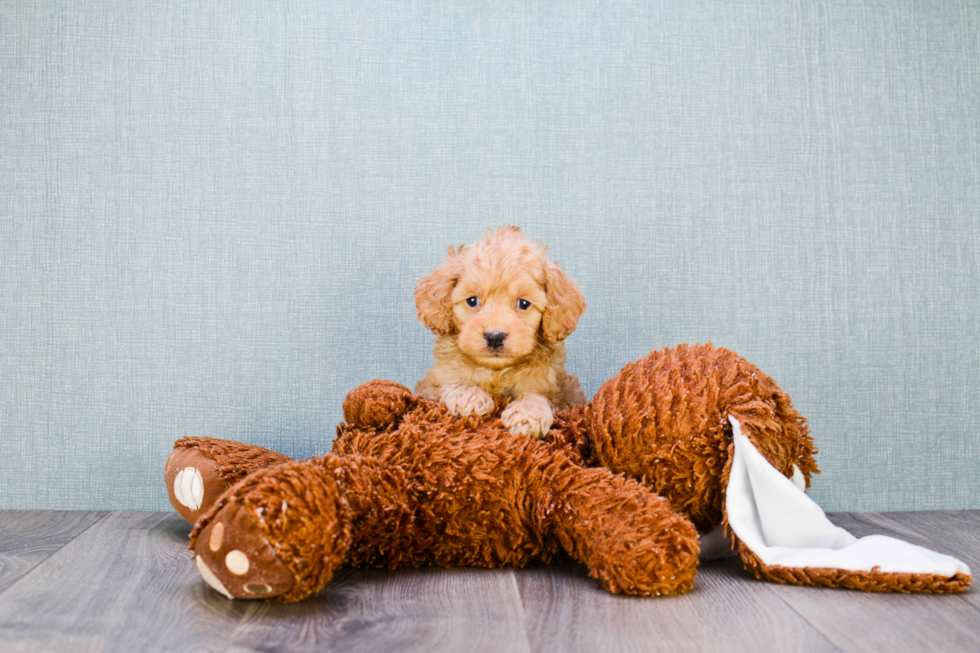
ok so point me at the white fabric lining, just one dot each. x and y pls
(784, 527)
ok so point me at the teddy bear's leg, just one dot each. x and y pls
(280, 533)
(200, 469)
(630, 538)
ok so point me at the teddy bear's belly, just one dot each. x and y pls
(473, 500)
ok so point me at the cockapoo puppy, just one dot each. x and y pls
(500, 310)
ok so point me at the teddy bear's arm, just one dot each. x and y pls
(630, 538)
(377, 404)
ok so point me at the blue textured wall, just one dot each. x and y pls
(212, 216)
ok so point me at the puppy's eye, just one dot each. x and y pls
(472, 302)
(523, 304)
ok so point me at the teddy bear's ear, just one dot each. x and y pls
(433, 296)
(566, 303)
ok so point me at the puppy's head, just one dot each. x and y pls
(501, 297)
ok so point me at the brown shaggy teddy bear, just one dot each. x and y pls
(623, 484)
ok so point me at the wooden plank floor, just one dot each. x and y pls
(90, 581)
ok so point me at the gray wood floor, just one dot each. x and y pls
(95, 581)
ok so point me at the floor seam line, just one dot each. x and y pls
(33, 569)
(520, 604)
(900, 526)
(802, 616)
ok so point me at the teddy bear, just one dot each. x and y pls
(684, 444)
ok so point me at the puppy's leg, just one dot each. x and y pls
(529, 415)
(463, 399)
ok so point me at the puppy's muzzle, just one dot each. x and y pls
(495, 340)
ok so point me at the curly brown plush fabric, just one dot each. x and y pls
(303, 513)
(428, 488)
(619, 484)
(485, 497)
(664, 420)
(234, 460)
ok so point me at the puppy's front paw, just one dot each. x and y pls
(467, 400)
(529, 415)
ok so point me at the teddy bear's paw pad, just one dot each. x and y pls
(529, 417)
(193, 482)
(236, 559)
(468, 400)
(189, 488)
(210, 578)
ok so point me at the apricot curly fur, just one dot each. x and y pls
(525, 298)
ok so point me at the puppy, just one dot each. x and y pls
(500, 310)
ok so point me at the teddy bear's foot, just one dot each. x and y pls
(200, 470)
(236, 559)
(193, 482)
(279, 534)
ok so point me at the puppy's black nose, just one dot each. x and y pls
(495, 339)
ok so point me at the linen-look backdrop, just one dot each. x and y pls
(213, 215)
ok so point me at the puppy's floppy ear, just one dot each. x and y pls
(566, 303)
(433, 296)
